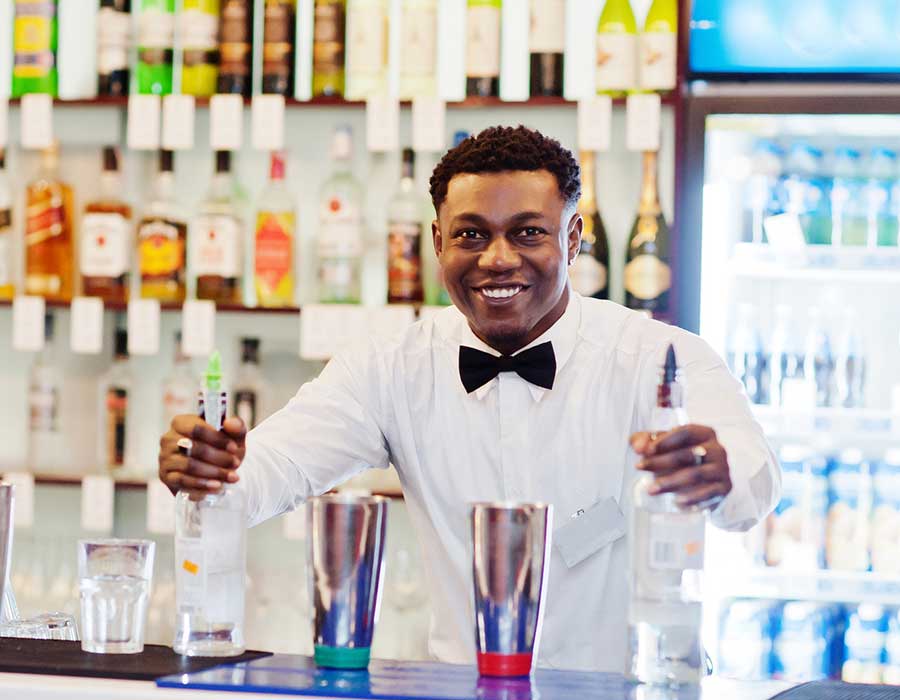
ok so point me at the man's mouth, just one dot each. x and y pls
(501, 292)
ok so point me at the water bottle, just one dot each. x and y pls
(848, 214)
(818, 361)
(807, 193)
(786, 358)
(761, 195)
(850, 364)
(746, 356)
(881, 198)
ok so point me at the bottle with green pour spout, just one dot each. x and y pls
(210, 551)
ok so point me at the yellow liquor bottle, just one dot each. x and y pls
(274, 241)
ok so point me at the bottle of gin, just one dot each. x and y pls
(114, 444)
(210, 552)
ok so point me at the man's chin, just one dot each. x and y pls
(503, 336)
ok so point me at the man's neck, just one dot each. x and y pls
(508, 346)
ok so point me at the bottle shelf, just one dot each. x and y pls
(819, 586)
(817, 264)
(220, 308)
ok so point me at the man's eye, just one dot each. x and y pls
(530, 231)
(468, 234)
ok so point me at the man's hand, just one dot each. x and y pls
(673, 458)
(214, 455)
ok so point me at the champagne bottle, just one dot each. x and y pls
(616, 48)
(647, 273)
(658, 46)
(589, 272)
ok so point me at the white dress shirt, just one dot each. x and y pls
(402, 402)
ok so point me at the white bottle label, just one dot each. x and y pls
(646, 277)
(223, 545)
(677, 541)
(215, 242)
(548, 26)
(340, 229)
(104, 245)
(190, 575)
(418, 43)
(483, 42)
(157, 29)
(657, 61)
(366, 43)
(198, 29)
(113, 28)
(588, 275)
(43, 407)
(616, 61)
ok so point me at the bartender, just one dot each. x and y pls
(522, 390)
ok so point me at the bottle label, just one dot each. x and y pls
(104, 245)
(548, 26)
(418, 44)
(116, 410)
(45, 220)
(190, 575)
(328, 38)
(32, 31)
(367, 40)
(588, 275)
(235, 45)
(340, 229)
(198, 30)
(404, 262)
(5, 247)
(277, 32)
(245, 407)
(43, 409)
(157, 29)
(274, 257)
(647, 277)
(223, 536)
(160, 251)
(113, 28)
(214, 246)
(657, 61)
(616, 59)
(677, 541)
(483, 41)
(212, 406)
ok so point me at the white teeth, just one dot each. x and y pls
(500, 292)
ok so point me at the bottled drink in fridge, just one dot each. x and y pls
(806, 193)
(848, 212)
(746, 356)
(881, 198)
(850, 364)
(666, 558)
(818, 360)
(762, 194)
(785, 358)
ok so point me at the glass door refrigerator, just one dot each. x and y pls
(788, 215)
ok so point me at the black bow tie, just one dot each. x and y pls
(536, 365)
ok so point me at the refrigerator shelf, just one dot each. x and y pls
(848, 426)
(820, 586)
(817, 263)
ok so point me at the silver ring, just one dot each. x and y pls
(184, 446)
(654, 436)
(699, 453)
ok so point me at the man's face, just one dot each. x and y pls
(504, 241)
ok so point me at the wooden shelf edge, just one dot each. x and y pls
(220, 308)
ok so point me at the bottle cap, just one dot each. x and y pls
(459, 137)
(223, 161)
(212, 378)
(670, 367)
(121, 344)
(166, 161)
(48, 326)
(110, 159)
(276, 166)
(250, 350)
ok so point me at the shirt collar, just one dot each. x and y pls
(563, 334)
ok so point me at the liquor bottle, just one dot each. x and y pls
(647, 273)
(249, 383)
(418, 49)
(46, 442)
(179, 395)
(340, 242)
(666, 558)
(367, 47)
(274, 241)
(199, 22)
(483, 48)
(210, 552)
(156, 39)
(547, 43)
(235, 47)
(34, 47)
(216, 239)
(328, 48)
(49, 239)
(589, 272)
(658, 46)
(616, 48)
(161, 239)
(278, 47)
(405, 239)
(106, 237)
(115, 449)
(7, 279)
(113, 44)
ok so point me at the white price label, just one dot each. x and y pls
(294, 523)
(4, 121)
(36, 120)
(267, 120)
(428, 124)
(391, 320)
(143, 327)
(326, 329)
(86, 325)
(178, 122)
(642, 122)
(160, 508)
(382, 124)
(198, 327)
(97, 494)
(595, 123)
(24, 497)
(28, 323)
(143, 122)
(226, 122)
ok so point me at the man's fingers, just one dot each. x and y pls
(220, 458)
(639, 442)
(235, 428)
(683, 436)
(199, 430)
(180, 480)
(711, 493)
(680, 458)
(682, 479)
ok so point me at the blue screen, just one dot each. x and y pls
(795, 36)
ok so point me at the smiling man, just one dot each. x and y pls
(523, 390)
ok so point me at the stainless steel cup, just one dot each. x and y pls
(511, 562)
(346, 565)
(7, 508)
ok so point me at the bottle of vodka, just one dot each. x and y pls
(210, 553)
(666, 558)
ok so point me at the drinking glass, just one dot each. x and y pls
(24, 629)
(59, 625)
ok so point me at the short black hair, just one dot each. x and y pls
(503, 148)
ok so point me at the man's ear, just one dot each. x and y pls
(437, 239)
(574, 229)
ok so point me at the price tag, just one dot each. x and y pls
(36, 120)
(428, 119)
(178, 122)
(97, 493)
(226, 122)
(595, 123)
(326, 329)
(86, 325)
(391, 320)
(143, 327)
(294, 523)
(28, 323)
(4, 121)
(382, 124)
(642, 122)
(24, 497)
(143, 122)
(198, 327)
(160, 508)
(267, 120)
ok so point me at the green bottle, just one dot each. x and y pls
(658, 46)
(616, 49)
(156, 38)
(199, 23)
(34, 47)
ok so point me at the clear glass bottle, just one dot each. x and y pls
(405, 239)
(273, 258)
(7, 280)
(115, 434)
(340, 239)
(46, 440)
(179, 391)
(248, 387)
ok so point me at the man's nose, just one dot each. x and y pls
(499, 256)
